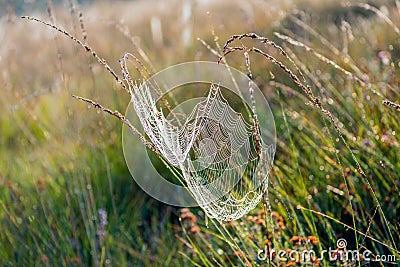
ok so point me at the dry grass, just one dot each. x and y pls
(332, 81)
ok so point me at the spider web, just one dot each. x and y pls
(224, 164)
(228, 176)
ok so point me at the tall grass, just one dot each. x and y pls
(330, 75)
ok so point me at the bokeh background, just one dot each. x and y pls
(66, 195)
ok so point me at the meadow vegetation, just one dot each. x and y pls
(66, 195)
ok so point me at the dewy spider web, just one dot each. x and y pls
(228, 176)
(223, 163)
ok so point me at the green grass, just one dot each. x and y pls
(62, 162)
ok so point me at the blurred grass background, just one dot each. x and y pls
(66, 195)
